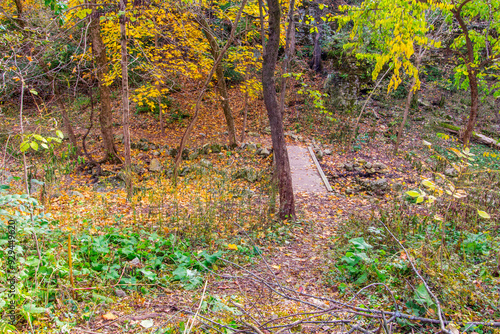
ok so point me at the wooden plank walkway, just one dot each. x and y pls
(305, 176)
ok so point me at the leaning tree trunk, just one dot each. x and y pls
(287, 202)
(125, 102)
(471, 73)
(106, 112)
(221, 82)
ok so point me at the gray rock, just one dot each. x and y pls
(155, 165)
(358, 168)
(341, 166)
(248, 174)
(349, 167)
(57, 194)
(263, 152)
(75, 193)
(156, 153)
(135, 262)
(205, 163)
(119, 137)
(379, 165)
(328, 152)
(300, 138)
(253, 134)
(380, 184)
(120, 293)
(368, 165)
(225, 133)
(251, 147)
(452, 172)
(320, 154)
(202, 135)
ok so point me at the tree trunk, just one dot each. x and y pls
(125, 102)
(217, 61)
(221, 82)
(20, 12)
(106, 112)
(287, 202)
(471, 73)
(288, 55)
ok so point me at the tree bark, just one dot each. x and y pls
(125, 102)
(287, 201)
(217, 61)
(471, 73)
(106, 112)
(20, 12)
(221, 81)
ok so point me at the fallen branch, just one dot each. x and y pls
(477, 136)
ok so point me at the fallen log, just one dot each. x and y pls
(476, 136)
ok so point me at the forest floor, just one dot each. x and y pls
(224, 203)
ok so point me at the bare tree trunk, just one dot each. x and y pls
(471, 73)
(288, 55)
(158, 87)
(287, 201)
(106, 112)
(221, 81)
(190, 127)
(245, 117)
(420, 54)
(125, 102)
(20, 12)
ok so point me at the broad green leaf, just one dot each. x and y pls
(413, 193)
(147, 323)
(25, 146)
(34, 145)
(422, 296)
(428, 184)
(44, 146)
(31, 308)
(34, 92)
(60, 134)
(483, 214)
(360, 243)
(426, 143)
(420, 199)
(39, 138)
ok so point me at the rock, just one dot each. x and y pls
(119, 137)
(205, 163)
(328, 152)
(320, 154)
(452, 172)
(225, 133)
(349, 191)
(57, 194)
(379, 165)
(361, 162)
(380, 184)
(248, 174)
(202, 135)
(349, 167)
(341, 166)
(144, 147)
(295, 137)
(120, 293)
(253, 134)
(156, 153)
(135, 262)
(263, 152)
(251, 147)
(75, 193)
(371, 171)
(368, 165)
(155, 165)
(358, 168)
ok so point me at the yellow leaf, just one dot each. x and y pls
(483, 214)
(232, 246)
(110, 316)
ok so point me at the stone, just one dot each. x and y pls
(263, 152)
(248, 174)
(320, 154)
(358, 168)
(251, 147)
(253, 134)
(361, 162)
(205, 163)
(349, 167)
(57, 194)
(135, 262)
(379, 165)
(119, 137)
(341, 166)
(156, 153)
(328, 152)
(75, 193)
(225, 133)
(349, 191)
(202, 135)
(120, 293)
(155, 165)
(452, 172)
(368, 165)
